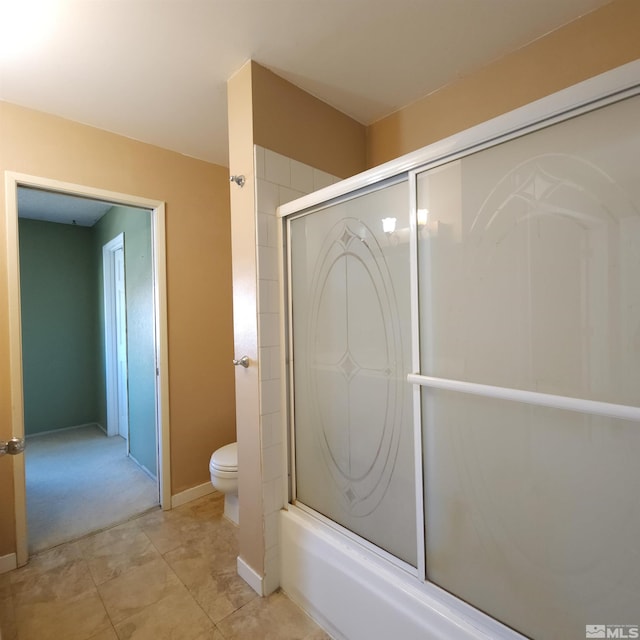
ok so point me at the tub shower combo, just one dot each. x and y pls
(464, 381)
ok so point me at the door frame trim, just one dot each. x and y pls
(111, 366)
(13, 180)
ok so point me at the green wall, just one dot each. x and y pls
(59, 325)
(136, 226)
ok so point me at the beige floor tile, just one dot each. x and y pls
(47, 583)
(215, 584)
(76, 618)
(223, 594)
(318, 634)
(177, 617)
(271, 618)
(170, 529)
(209, 506)
(217, 552)
(115, 535)
(113, 552)
(108, 634)
(5, 584)
(138, 588)
(167, 533)
(8, 628)
(48, 560)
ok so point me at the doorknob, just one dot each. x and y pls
(243, 362)
(13, 447)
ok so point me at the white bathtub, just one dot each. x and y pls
(356, 595)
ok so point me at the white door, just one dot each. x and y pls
(115, 336)
(120, 304)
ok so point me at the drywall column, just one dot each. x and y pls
(243, 251)
(307, 144)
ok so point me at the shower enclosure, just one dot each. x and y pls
(464, 369)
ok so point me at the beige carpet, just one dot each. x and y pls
(80, 481)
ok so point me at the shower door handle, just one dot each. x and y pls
(12, 447)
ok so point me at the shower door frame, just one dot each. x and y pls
(608, 88)
(365, 189)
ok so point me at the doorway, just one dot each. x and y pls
(154, 461)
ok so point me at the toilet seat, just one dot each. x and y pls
(224, 461)
(223, 468)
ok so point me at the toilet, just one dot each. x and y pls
(223, 468)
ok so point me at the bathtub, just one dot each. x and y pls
(356, 595)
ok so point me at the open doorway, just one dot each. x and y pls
(107, 467)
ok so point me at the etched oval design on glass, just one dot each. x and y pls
(355, 372)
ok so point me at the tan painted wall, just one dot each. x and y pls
(593, 44)
(198, 275)
(292, 122)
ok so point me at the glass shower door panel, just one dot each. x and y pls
(350, 295)
(533, 514)
(528, 279)
(529, 261)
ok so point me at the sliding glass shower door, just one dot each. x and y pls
(350, 293)
(529, 271)
(465, 372)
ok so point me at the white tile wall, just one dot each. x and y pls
(278, 180)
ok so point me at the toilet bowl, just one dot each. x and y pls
(223, 468)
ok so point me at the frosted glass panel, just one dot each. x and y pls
(529, 261)
(528, 278)
(533, 514)
(351, 348)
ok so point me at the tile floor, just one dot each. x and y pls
(163, 575)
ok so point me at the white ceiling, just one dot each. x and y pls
(156, 70)
(37, 204)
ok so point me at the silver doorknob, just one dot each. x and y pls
(13, 447)
(243, 362)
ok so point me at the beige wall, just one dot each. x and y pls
(196, 193)
(593, 44)
(292, 122)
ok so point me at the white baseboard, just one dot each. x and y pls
(253, 579)
(75, 426)
(8, 563)
(143, 468)
(191, 494)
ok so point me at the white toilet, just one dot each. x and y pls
(223, 468)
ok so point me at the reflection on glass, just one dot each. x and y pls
(351, 349)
